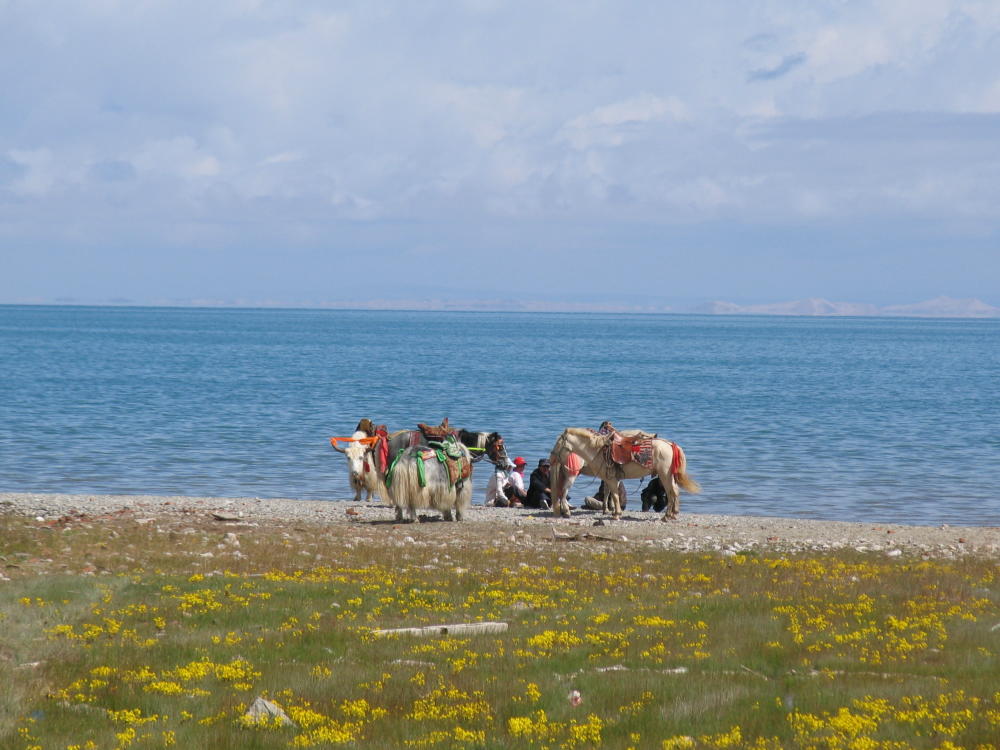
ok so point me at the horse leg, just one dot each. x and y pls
(556, 472)
(673, 498)
(614, 496)
(569, 482)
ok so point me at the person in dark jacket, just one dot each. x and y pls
(538, 495)
(654, 496)
(596, 502)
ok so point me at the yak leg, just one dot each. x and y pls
(410, 511)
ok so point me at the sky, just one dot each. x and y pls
(664, 154)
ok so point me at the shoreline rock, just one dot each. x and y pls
(725, 534)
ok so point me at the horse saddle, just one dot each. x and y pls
(632, 448)
(438, 433)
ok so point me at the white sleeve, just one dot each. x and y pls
(517, 480)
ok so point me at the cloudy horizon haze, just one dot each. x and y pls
(581, 153)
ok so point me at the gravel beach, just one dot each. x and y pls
(691, 532)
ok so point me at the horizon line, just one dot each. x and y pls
(752, 310)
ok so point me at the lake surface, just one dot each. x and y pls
(861, 419)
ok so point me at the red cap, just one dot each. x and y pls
(519, 461)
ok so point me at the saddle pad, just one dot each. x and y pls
(382, 448)
(642, 452)
(458, 468)
(633, 449)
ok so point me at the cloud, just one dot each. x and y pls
(612, 124)
(112, 170)
(39, 172)
(179, 157)
(285, 157)
(240, 122)
(785, 66)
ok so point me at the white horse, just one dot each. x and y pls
(580, 450)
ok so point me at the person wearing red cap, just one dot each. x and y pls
(515, 487)
(505, 489)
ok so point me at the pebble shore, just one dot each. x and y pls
(726, 534)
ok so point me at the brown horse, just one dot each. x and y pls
(580, 450)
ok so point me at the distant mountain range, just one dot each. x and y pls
(939, 307)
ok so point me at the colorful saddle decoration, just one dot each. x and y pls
(623, 449)
(637, 448)
(448, 453)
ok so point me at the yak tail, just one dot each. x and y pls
(682, 478)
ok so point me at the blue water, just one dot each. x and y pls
(884, 420)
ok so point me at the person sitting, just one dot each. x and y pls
(539, 494)
(507, 490)
(495, 495)
(515, 486)
(654, 496)
(596, 502)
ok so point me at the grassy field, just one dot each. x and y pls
(146, 633)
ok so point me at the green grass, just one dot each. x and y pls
(117, 634)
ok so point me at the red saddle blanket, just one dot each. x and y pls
(637, 449)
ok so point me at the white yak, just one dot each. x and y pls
(360, 465)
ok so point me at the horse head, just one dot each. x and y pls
(496, 451)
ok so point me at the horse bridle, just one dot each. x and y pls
(496, 451)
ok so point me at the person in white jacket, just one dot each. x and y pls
(507, 489)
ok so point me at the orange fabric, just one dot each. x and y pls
(363, 441)
(574, 464)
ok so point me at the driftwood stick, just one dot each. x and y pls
(577, 537)
(429, 631)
